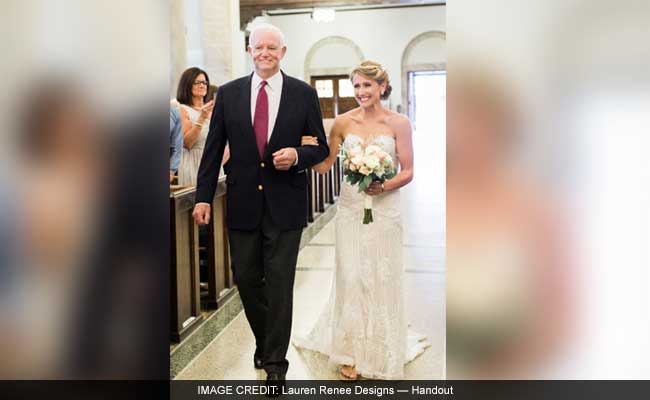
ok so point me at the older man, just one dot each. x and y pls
(263, 117)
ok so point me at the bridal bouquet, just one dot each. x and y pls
(362, 166)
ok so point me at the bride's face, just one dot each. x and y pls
(367, 92)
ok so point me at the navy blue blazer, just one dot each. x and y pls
(252, 179)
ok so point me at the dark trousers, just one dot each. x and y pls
(264, 266)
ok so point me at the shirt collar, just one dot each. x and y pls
(273, 82)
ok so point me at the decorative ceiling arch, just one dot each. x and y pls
(310, 70)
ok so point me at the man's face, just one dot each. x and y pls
(267, 52)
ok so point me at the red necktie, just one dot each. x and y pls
(261, 119)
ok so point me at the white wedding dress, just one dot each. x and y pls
(363, 323)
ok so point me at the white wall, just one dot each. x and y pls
(382, 36)
(432, 49)
(331, 56)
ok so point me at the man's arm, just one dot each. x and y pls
(312, 155)
(206, 182)
(176, 139)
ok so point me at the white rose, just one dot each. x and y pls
(372, 149)
(364, 170)
(357, 160)
(352, 167)
(371, 162)
(356, 151)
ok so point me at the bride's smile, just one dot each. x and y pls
(366, 91)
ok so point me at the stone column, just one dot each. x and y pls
(177, 44)
(223, 42)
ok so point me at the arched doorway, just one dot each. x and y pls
(327, 66)
(425, 55)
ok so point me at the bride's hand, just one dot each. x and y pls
(309, 141)
(375, 188)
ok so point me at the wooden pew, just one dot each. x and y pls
(320, 202)
(221, 283)
(312, 195)
(338, 178)
(185, 312)
(329, 185)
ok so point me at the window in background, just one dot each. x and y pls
(325, 88)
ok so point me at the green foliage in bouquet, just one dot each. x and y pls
(364, 181)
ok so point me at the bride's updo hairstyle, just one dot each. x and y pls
(373, 70)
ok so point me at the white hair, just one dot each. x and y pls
(266, 27)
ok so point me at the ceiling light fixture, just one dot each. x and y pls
(323, 14)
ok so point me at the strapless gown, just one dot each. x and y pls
(363, 323)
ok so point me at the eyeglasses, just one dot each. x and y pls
(197, 83)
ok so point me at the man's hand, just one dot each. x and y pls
(201, 214)
(284, 159)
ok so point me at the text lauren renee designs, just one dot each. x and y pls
(211, 390)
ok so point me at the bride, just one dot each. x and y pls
(363, 327)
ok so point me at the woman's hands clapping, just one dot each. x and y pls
(206, 110)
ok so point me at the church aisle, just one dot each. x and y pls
(229, 355)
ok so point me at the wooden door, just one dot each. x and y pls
(335, 94)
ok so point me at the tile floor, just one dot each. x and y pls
(229, 355)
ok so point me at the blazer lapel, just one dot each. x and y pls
(282, 114)
(246, 122)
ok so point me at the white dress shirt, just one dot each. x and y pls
(273, 90)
